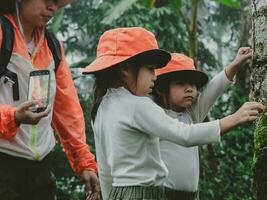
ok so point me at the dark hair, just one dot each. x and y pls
(161, 92)
(7, 6)
(110, 78)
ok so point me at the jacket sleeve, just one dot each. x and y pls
(68, 122)
(8, 127)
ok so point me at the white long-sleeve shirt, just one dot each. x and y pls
(127, 129)
(183, 162)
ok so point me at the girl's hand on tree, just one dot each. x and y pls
(242, 56)
(24, 116)
(248, 112)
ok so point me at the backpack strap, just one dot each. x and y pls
(7, 44)
(54, 47)
(7, 48)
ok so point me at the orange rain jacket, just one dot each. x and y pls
(67, 118)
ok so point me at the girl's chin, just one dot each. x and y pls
(185, 106)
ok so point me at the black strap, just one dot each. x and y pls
(54, 47)
(7, 48)
(7, 44)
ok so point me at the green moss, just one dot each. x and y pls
(259, 165)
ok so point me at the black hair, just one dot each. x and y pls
(161, 92)
(110, 78)
(7, 6)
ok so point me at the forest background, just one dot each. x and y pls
(210, 31)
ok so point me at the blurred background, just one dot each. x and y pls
(209, 31)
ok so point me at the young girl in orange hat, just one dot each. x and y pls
(176, 91)
(127, 124)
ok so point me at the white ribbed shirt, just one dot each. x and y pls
(183, 162)
(127, 129)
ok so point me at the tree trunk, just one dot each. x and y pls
(242, 77)
(259, 93)
(192, 33)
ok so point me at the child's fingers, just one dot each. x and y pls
(256, 106)
(253, 113)
(244, 50)
(248, 55)
(252, 118)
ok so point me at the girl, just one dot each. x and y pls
(27, 139)
(127, 124)
(176, 92)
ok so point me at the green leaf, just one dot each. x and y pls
(147, 3)
(176, 4)
(117, 11)
(230, 3)
(56, 22)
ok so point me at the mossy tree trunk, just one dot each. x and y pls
(259, 93)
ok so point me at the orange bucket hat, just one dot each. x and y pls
(181, 67)
(123, 44)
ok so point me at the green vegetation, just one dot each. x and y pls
(226, 167)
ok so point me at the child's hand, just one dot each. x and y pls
(246, 113)
(24, 116)
(249, 111)
(243, 54)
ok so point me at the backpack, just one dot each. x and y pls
(7, 48)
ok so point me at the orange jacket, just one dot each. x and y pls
(67, 120)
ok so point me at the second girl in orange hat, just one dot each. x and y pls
(127, 124)
(176, 91)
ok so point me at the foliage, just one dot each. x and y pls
(230, 3)
(259, 164)
(83, 25)
(233, 178)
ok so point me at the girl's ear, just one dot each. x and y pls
(125, 71)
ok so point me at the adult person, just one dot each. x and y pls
(26, 138)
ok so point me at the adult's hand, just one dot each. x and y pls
(91, 184)
(23, 115)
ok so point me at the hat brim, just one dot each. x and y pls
(157, 57)
(198, 78)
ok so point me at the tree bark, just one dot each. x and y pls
(259, 93)
(242, 77)
(192, 34)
